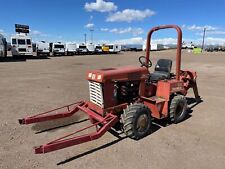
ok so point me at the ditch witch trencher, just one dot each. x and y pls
(129, 97)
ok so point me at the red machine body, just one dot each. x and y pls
(112, 90)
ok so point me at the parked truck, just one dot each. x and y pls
(71, 48)
(91, 48)
(21, 43)
(98, 49)
(3, 46)
(105, 48)
(43, 48)
(82, 49)
(154, 47)
(114, 48)
(58, 48)
(186, 45)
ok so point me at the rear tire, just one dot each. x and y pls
(178, 109)
(137, 121)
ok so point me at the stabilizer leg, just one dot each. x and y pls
(195, 90)
(53, 114)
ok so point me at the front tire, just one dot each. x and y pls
(137, 121)
(178, 109)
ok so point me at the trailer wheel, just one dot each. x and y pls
(137, 121)
(178, 109)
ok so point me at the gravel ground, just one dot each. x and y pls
(36, 85)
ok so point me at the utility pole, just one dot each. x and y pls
(91, 30)
(203, 39)
(85, 38)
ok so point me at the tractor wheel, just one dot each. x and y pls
(137, 121)
(178, 109)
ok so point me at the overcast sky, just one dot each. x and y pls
(118, 21)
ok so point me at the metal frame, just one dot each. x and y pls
(179, 45)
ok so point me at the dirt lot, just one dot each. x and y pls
(33, 86)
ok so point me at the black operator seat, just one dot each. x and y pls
(162, 70)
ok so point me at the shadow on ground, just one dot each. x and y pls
(156, 125)
(12, 59)
(37, 57)
(119, 138)
(22, 58)
(57, 127)
(62, 123)
(53, 125)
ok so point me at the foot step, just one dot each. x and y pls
(154, 99)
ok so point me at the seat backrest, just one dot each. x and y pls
(163, 65)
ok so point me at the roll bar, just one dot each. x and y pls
(179, 42)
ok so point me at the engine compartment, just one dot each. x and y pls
(127, 91)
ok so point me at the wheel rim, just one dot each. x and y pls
(142, 123)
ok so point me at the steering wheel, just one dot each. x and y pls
(142, 60)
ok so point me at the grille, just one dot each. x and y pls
(96, 93)
(22, 50)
